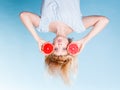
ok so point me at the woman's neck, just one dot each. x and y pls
(63, 30)
(60, 29)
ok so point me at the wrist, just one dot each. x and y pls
(86, 39)
(81, 41)
(39, 40)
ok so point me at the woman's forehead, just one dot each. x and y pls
(60, 52)
(55, 55)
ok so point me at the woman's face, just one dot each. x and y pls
(60, 45)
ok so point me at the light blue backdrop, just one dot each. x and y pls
(22, 66)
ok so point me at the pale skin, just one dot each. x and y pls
(61, 30)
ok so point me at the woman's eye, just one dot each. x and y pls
(56, 48)
(64, 48)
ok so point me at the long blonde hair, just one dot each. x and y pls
(61, 65)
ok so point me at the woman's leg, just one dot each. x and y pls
(31, 21)
(97, 22)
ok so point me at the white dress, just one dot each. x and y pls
(66, 11)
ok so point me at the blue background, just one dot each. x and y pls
(22, 66)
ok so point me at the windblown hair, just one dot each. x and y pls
(61, 65)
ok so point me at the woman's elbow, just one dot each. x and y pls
(105, 20)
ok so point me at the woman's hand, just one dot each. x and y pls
(40, 43)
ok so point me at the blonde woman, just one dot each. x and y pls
(62, 17)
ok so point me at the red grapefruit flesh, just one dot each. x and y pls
(47, 48)
(73, 49)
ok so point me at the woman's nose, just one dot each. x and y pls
(59, 45)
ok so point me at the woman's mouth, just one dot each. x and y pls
(59, 40)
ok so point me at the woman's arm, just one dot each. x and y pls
(98, 23)
(31, 21)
